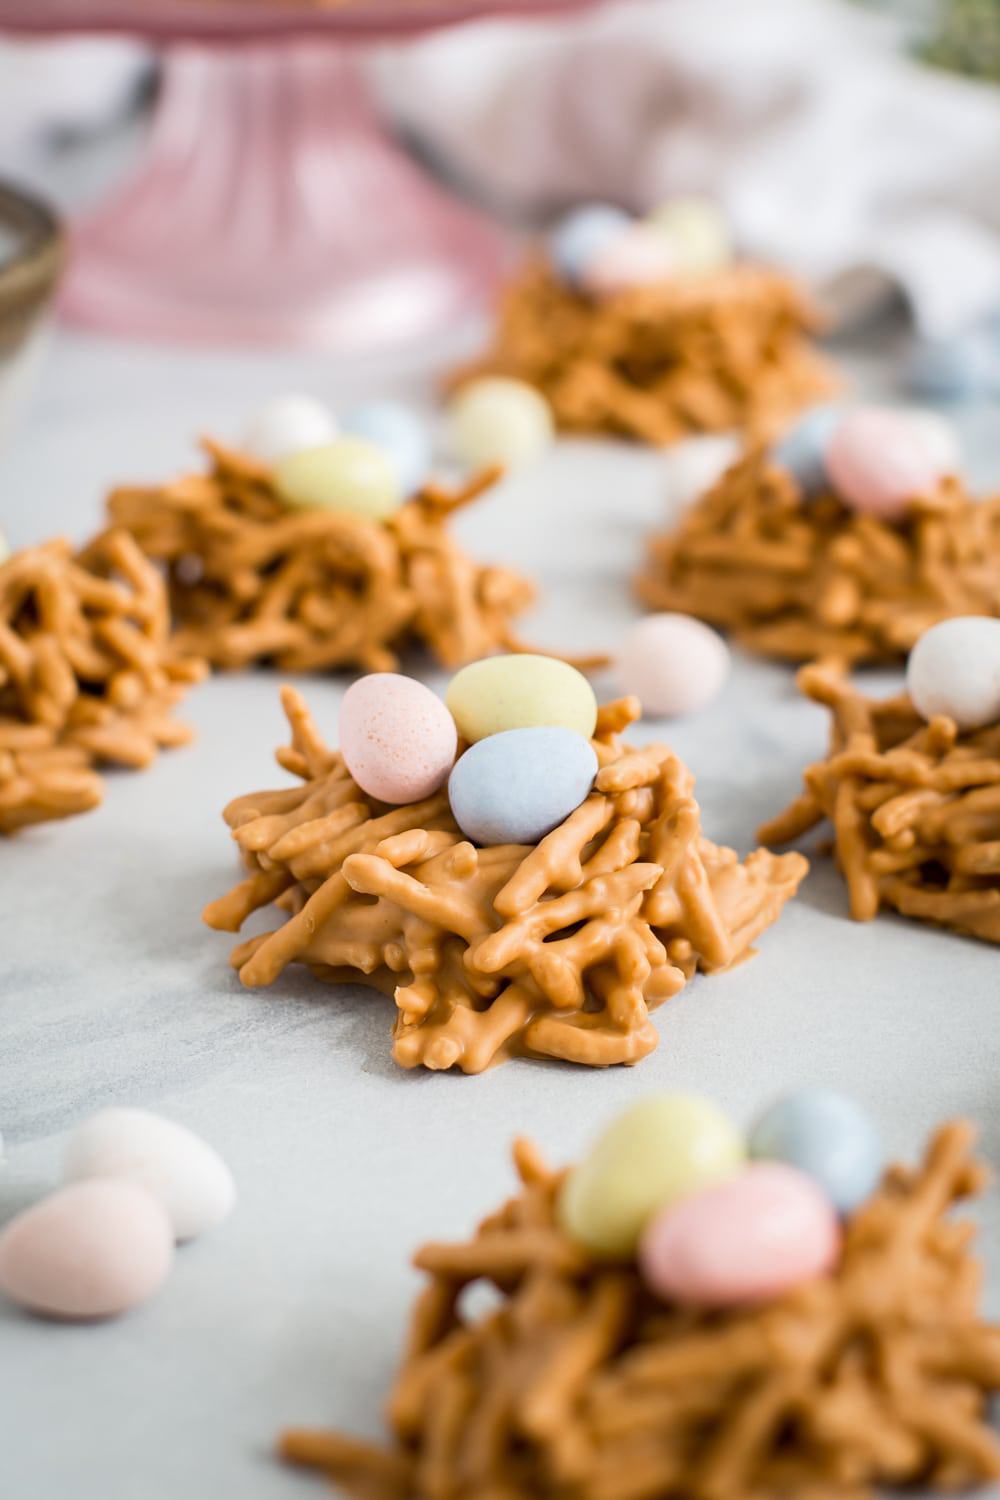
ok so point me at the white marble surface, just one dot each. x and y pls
(111, 990)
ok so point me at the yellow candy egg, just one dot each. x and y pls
(520, 692)
(662, 1149)
(496, 420)
(350, 474)
(697, 231)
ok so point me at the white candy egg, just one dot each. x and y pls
(954, 669)
(287, 425)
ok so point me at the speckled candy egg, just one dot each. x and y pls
(695, 465)
(92, 1250)
(954, 669)
(673, 663)
(180, 1169)
(497, 420)
(639, 256)
(582, 235)
(744, 1241)
(658, 1151)
(397, 738)
(697, 233)
(288, 425)
(349, 475)
(878, 462)
(829, 1137)
(399, 433)
(802, 450)
(523, 691)
(515, 787)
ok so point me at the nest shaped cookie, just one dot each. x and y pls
(798, 578)
(577, 1384)
(657, 363)
(88, 674)
(252, 581)
(555, 950)
(915, 809)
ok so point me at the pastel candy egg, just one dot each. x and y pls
(673, 663)
(397, 738)
(744, 1241)
(656, 1153)
(878, 462)
(802, 450)
(954, 669)
(497, 420)
(401, 436)
(829, 1137)
(348, 475)
(288, 425)
(515, 787)
(172, 1163)
(640, 256)
(582, 235)
(523, 691)
(939, 436)
(694, 466)
(697, 233)
(91, 1250)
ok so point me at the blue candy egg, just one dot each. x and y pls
(516, 786)
(964, 368)
(580, 237)
(401, 435)
(827, 1135)
(802, 450)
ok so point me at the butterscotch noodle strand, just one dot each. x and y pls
(88, 674)
(579, 1385)
(560, 950)
(803, 579)
(251, 581)
(915, 809)
(696, 354)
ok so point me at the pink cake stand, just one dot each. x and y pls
(270, 208)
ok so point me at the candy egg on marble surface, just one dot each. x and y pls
(181, 1170)
(939, 435)
(495, 419)
(766, 1230)
(673, 663)
(639, 256)
(693, 466)
(954, 669)
(91, 1250)
(802, 449)
(397, 738)
(515, 787)
(522, 691)
(582, 235)
(349, 475)
(287, 425)
(697, 232)
(878, 462)
(963, 368)
(827, 1135)
(658, 1151)
(399, 433)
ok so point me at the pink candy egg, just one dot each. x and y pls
(92, 1250)
(639, 256)
(673, 663)
(397, 738)
(747, 1240)
(878, 461)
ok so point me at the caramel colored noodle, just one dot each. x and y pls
(557, 950)
(915, 809)
(88, 674)
(695, 354)
(799, 579)
(580, 1385)
(252, 581)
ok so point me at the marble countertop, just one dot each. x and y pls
(112, 991)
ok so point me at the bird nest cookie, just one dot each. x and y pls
(659, 362)
(560, 949)
(914, 804)
(579, 1381)
(798, 577)
(88, 674)
(252, 581)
